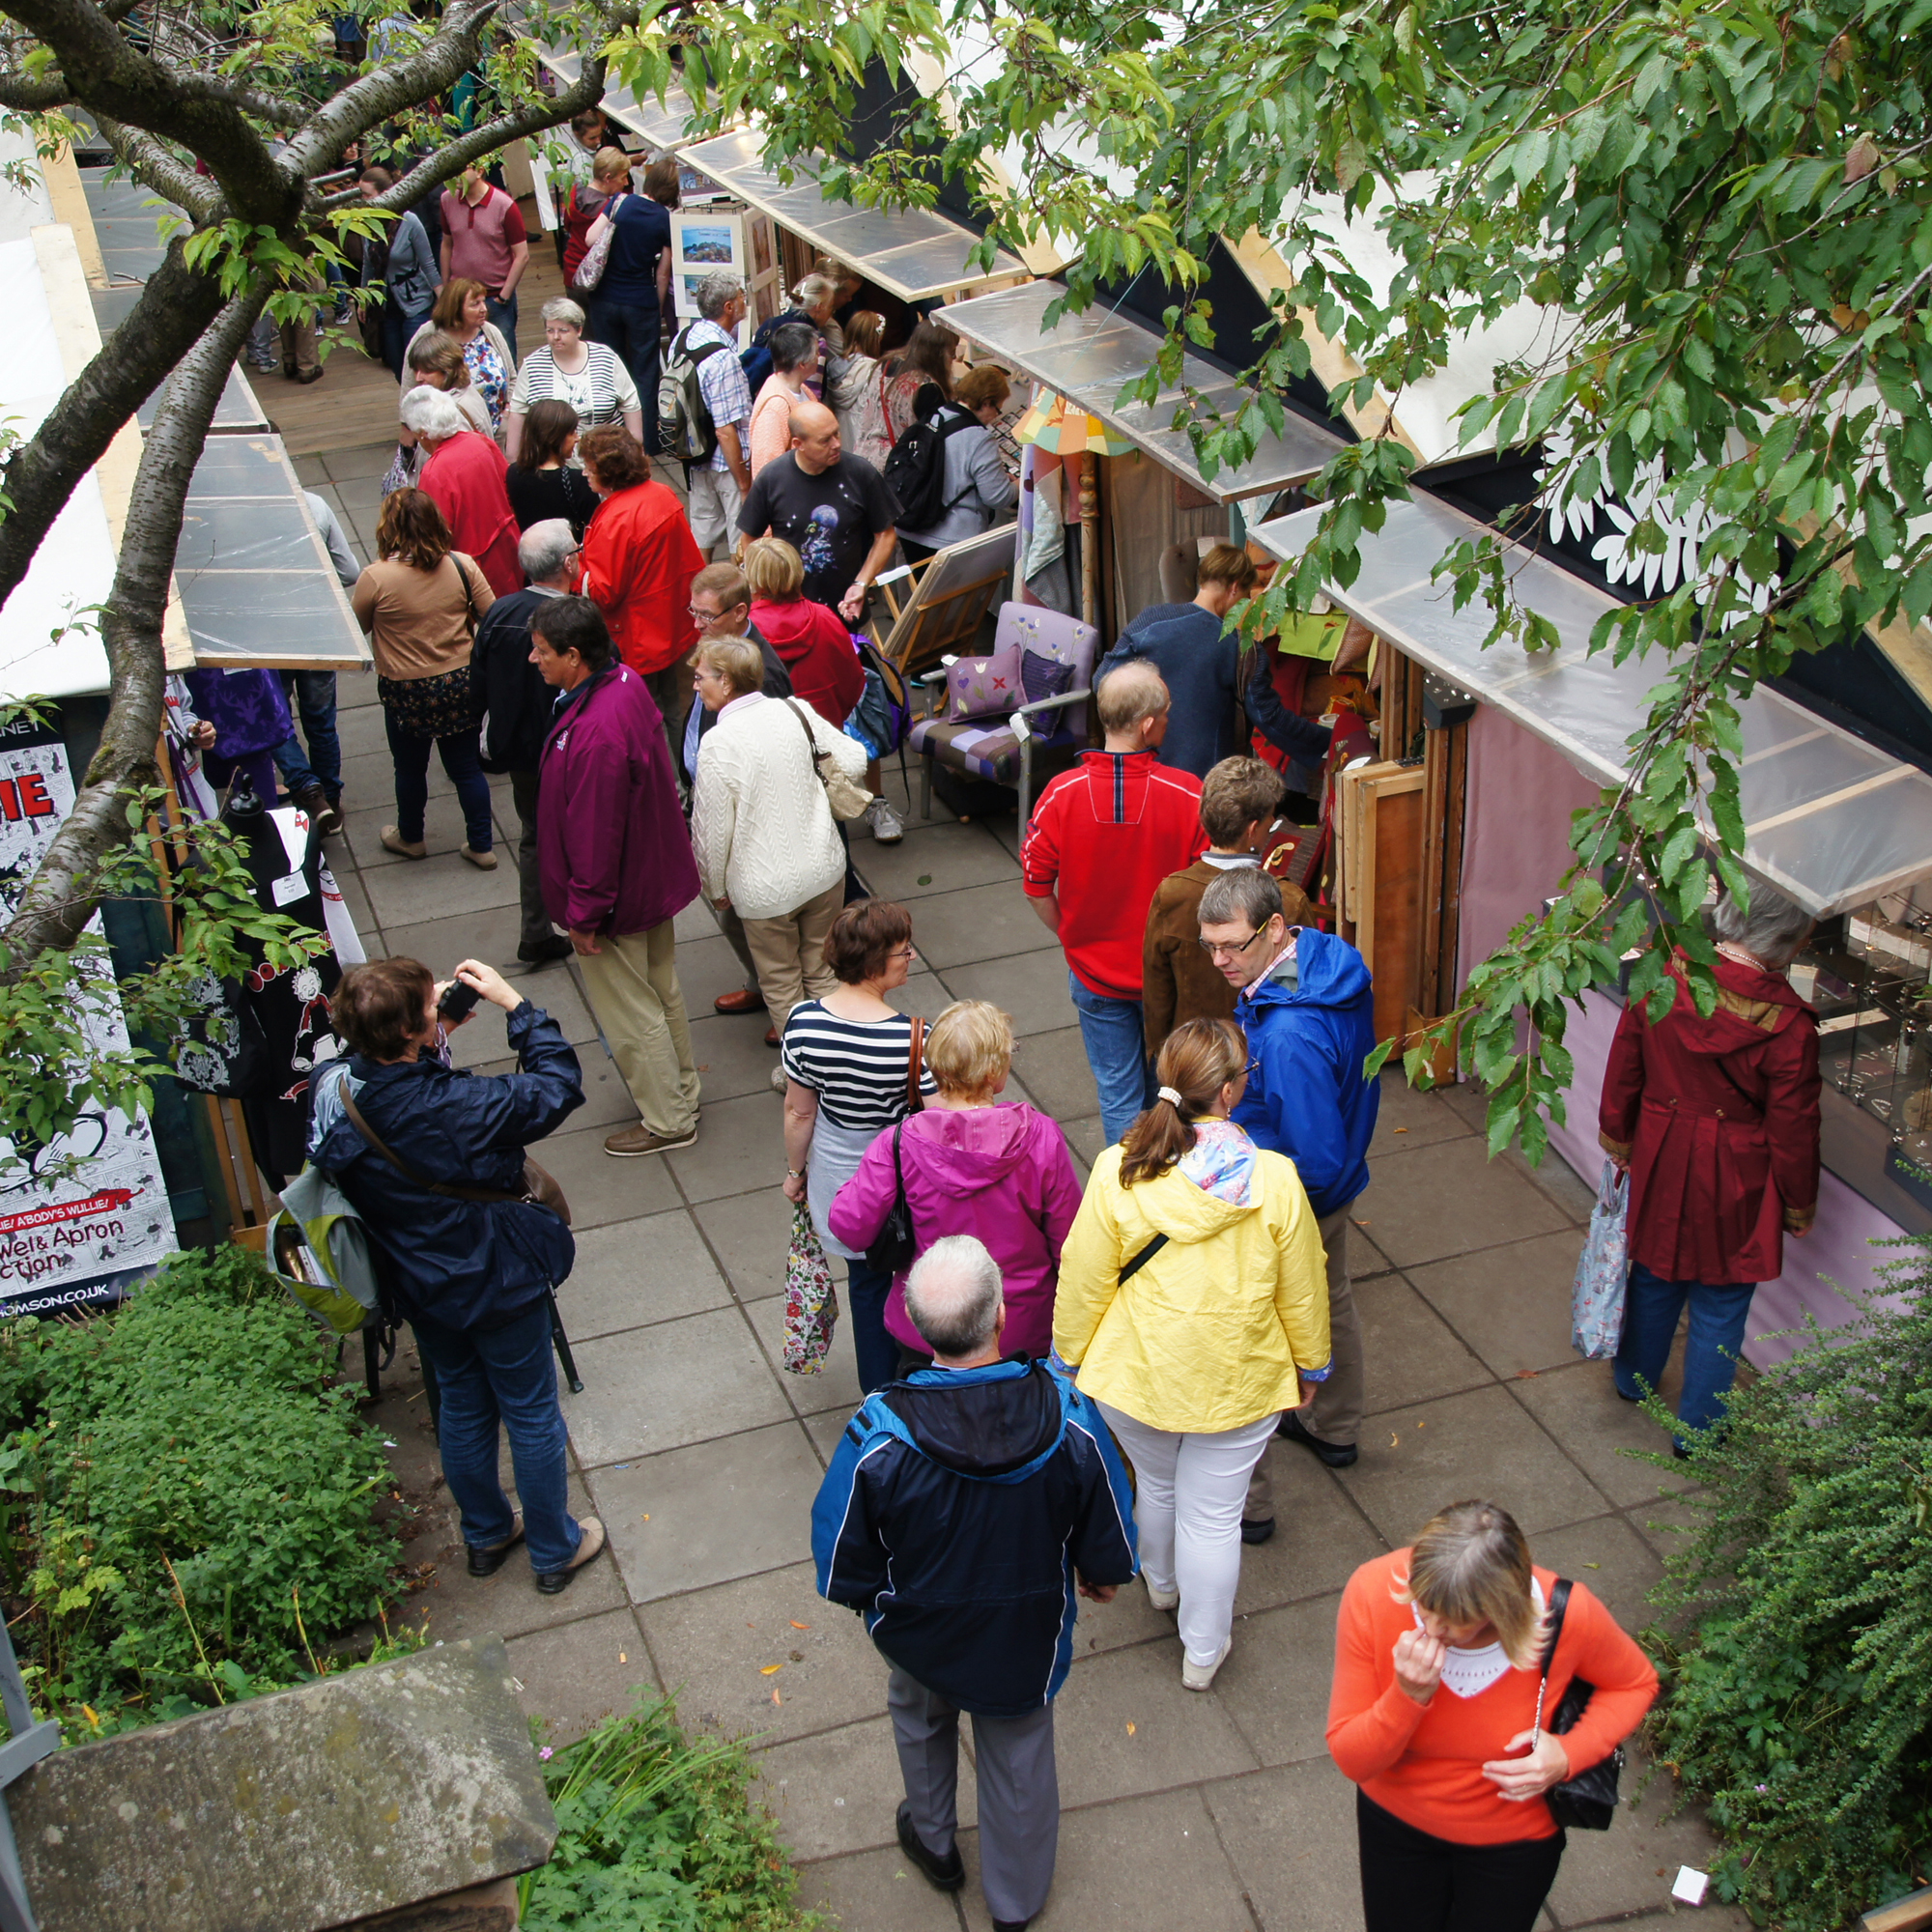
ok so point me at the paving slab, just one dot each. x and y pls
(740, 1147)
(978, 923)
(749, 1234)
(633, 1273)
(1631, 1867)
(1054, 1067)
(607, 1100)
(660, 1388)
(575, 1675)
(1031, 988)
(1427, 1202)
(601, 1188)
(492, 934)
(1416, 1461)
(1611, 1558)
(1274, 1685)
(835, 1386)
(1581, 1408)
(731, 1055)
(1290, 1834)
(937, 859)
(1510, 1303)
(369, 805)
(877, 1891)
(690, 1518)
(839, 1791)
(1320, 1537)
(1408, 1117)
(1409, 1353)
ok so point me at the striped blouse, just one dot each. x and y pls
(857, 1067)
(599, 392)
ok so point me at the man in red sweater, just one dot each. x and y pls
(1102, 839)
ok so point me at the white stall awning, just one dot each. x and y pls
(1829, 820)
(661, 126)
(913, 253)
(1087, 358)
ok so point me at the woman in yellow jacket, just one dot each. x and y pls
(1193, 1299)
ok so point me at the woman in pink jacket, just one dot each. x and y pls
(972, 1167)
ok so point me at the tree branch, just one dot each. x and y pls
(24, 94)
(152, 166)
(270, 107)
(57, 904)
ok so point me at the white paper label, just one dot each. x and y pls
(1691, 1886)
(290, 886)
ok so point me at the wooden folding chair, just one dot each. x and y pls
(936, 607)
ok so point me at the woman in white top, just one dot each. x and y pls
(589, 375)
(765, 839)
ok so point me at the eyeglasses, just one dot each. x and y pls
(1219, 948)
(904, 952)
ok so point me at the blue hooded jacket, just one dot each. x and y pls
(1307, 1040)
(958, 1505)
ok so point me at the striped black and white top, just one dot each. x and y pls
(857, 1067)
(599, 392)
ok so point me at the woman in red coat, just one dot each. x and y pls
(1717, 1121)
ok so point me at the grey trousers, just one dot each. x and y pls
(535, 928)
(1335, 1416)
(1018, 1789)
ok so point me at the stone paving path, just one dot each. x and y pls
(1215, 1813)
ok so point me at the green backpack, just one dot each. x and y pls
(319, 1248)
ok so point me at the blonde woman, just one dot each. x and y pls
(857, 392)
(1193, 1300)
(1439, 1657)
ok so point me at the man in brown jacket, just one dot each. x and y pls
(1240, 800)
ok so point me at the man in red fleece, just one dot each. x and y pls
(1102, 839)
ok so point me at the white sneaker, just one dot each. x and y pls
(884, 822)
(1200, 1676)
(1161, 1600)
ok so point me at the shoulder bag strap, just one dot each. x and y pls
(444, 1188)
(1141, 1260)
(456, 558)
(915, 1052)
(1559, 1601)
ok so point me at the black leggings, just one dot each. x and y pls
(1415, 1882)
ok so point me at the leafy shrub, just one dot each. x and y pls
(656, 1830)
(1798, 1648)
(188, 1497)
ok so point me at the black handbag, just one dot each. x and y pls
(1588, 1802)
(893, 1247)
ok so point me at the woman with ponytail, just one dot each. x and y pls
(1193, 1299)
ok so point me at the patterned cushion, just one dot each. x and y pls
(982, 687)
(980, 750)
(1043, 678)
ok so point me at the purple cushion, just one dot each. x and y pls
(982, 687)
(1043, 677)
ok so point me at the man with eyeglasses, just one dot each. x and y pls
(517, 702)
(1307, 1007)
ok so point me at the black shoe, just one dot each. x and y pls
(1256, 1532)
(546, 951)
(1337, 1455)
(1012, 1924)
(487, 1558)
(949, 1873)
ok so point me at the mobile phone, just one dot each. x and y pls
(457, 1001)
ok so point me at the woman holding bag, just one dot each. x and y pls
(1445, 1686)
(852, 1068)
(420, 603)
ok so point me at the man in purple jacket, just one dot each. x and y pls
(617, 864)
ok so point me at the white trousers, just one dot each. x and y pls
(1188, 1491)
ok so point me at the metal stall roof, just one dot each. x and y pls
(1829, 820)
(1088, 358)
(661, 126)
(913, 252)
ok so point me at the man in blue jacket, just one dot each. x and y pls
(1307, 1008)
(962, 1508)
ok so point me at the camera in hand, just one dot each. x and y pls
(457, 1002)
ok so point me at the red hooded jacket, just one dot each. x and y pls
(466, 479)
(638, 560)
(816, 649)
(1718, 1119)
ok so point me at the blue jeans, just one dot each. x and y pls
(321, 764)
(504, 315)
(491, 1375)
(866, 1292)
(1717, 1315)
(399, 325)
(632, 329)
(462, 759)
(1111, 1029)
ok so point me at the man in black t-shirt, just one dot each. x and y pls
(837, 511)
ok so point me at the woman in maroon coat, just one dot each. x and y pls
(1717, 1121)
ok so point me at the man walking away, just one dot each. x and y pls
(517, 704)
(1102, 839)
(716, 484)
(617, 864)
(1307, 1008)
(484, 239)
(962, 1507)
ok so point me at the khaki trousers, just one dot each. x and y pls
(633, 985)
(1335, 1416)
(788, 953)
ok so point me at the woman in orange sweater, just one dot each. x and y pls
(1438, 1656)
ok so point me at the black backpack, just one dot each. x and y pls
(915, 468)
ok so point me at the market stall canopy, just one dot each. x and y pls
(1829, 820)
(1089, 357)
(661, 126)
(911, 252)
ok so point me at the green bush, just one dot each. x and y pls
(1797, 1651)
(188, 1497)
(656, 1830)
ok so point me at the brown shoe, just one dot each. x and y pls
(630, 1141)
(323, 816)
(394, 842)
(484, 861)
(771, 1036)
(551, 1581)
(747, 1000)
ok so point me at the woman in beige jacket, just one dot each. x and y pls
(1193, 1299)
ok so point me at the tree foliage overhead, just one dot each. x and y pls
(1724, 210)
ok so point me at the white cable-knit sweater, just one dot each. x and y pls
(760, 827)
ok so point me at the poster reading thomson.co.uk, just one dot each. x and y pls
(66, 1241)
